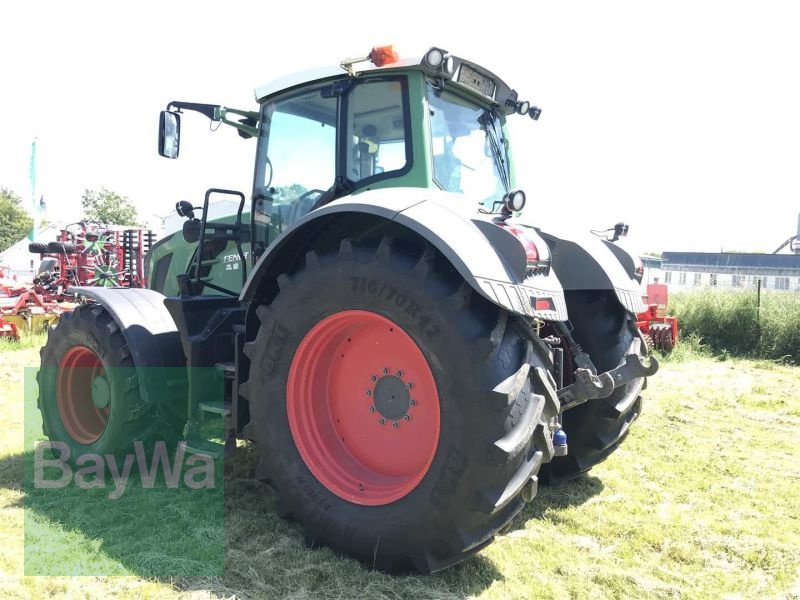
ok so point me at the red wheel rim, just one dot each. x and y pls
(77, 371)
(363, 407)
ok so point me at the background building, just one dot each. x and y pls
(685, 270)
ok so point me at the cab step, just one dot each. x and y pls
(218, 408)
(227, 368)
(205, 447)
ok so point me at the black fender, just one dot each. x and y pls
(589, 263)
(149, 331)
(489, 258)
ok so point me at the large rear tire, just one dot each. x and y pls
(89, 394)
(596, 428)
(401, 417)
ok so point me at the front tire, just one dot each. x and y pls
(329, 395)
(89, 393)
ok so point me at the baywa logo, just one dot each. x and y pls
(197, 469)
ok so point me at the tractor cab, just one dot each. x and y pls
(374, 122)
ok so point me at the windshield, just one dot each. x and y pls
(469, 149)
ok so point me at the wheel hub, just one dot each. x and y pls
(348, 410)
(392, 399)
(101, 392)
(83, 394)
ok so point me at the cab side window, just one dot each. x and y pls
(377, 113)
(300, 143)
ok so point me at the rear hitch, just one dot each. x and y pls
(589, 386)
(635, 366)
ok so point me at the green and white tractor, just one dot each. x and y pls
(408, 354)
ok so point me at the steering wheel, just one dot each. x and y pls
(302, 205)
(304, 195)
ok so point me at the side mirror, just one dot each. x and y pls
(169, 134)
(191, 231)
(184, 209)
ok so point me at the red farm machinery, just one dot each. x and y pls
(655, 322)
(86, 254)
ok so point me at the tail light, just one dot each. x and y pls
(531, 251)
(537, 256)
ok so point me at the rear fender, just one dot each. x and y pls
(588, 263)
(489, 259)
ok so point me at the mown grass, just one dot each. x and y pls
(26, 341)
(731, 322)
(701, 501)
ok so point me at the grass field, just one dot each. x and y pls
(732, 321)
(702, 501)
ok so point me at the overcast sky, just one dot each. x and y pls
(680, 118)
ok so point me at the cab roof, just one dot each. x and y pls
(321, 73)
(450, 69)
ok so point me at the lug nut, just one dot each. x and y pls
(407, 418)
(374, 378)
(399, 373)
(412, 402)
(369, 392)
(382, 421)
(372, 409)
(409, 386)
(395, 425)
(386, 370)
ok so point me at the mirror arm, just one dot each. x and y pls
(247, 126)
(209, 110)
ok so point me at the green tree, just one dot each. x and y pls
(14, 220)
(287, 193)
(108, 207)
